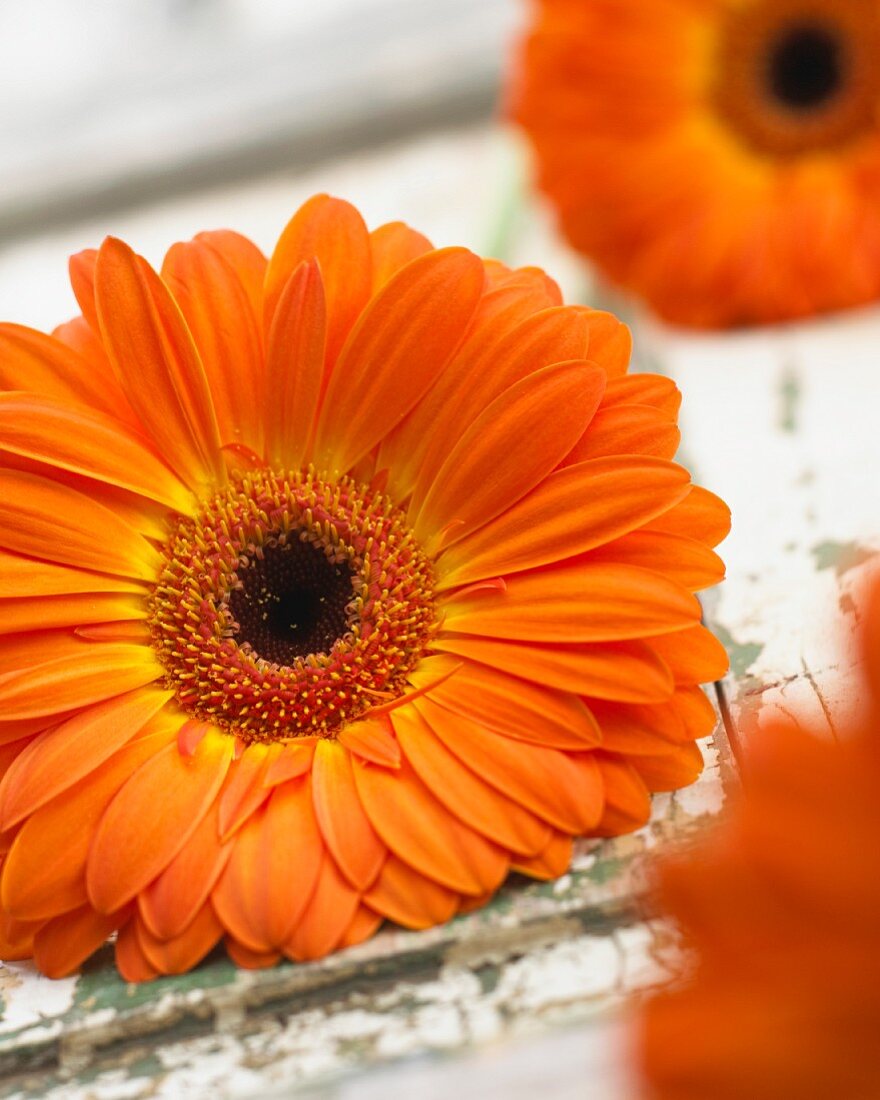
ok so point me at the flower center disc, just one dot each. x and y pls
(291, 605)
(796, 76)
(805, 67)
(292, 602)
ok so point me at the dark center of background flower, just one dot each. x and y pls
(806, 66)
(293, 601)
(796, 77)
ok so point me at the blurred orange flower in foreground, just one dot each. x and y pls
(781, 908)
(721, 158)
(333, 587)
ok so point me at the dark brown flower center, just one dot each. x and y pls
(795, 77)
(806, 66)
(290, 605)
(292, 601)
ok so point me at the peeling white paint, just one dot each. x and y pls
(29, 999)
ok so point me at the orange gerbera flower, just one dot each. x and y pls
(719, 157)
(333, 588)
(781, 907)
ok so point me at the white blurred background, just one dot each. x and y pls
(154, 119)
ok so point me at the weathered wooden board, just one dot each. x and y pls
(536, 957)
(780, 424)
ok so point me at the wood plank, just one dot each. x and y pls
(782, 424)
(537, 955)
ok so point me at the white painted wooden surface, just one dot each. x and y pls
(532, 990)
(783, 424)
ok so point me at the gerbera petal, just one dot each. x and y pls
(635, 728)
(62, 756)
(696, 711)
(549, 864)
(330, 911)
(655, 390)
(544, 291)
(89, 443)
(9, 753)
(512, 334)
(363, 924)
(172, 791)
(272, 871)
(520, 709)
(295, 366)
(44, 872)
(408, 898)
(145, 516)
(395, 352)
(669, 771)
(610, 344)
(17, 938)
(701, 515)
(96, 673)
(629, 671)
(372, 740)
(392, 246)
(575, 602)
(15, 731)
(544, 780)
(609, 496)
(226, 331)
(20, 574)
(344, 823)
(333, 233)
(246, 789)
(44, 519)
(81, 269)
(248, 959)
(686, 561)
(182, 952)
(471, 905)
(131, 962)
(172, 900)
(627, 801)
(78, 610)
(246, 260)
(418, 829)
(464, 794)
(627, 430)
(40, 364)
(78, 335)
(495, 358)
(153, 354)
(134, 630)
(490, 468)
(290, 763)
(62, 945)
(693, 656)
(38, 647)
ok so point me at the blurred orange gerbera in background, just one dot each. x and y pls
(333, 588)
(720, 158)
(780, 908)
